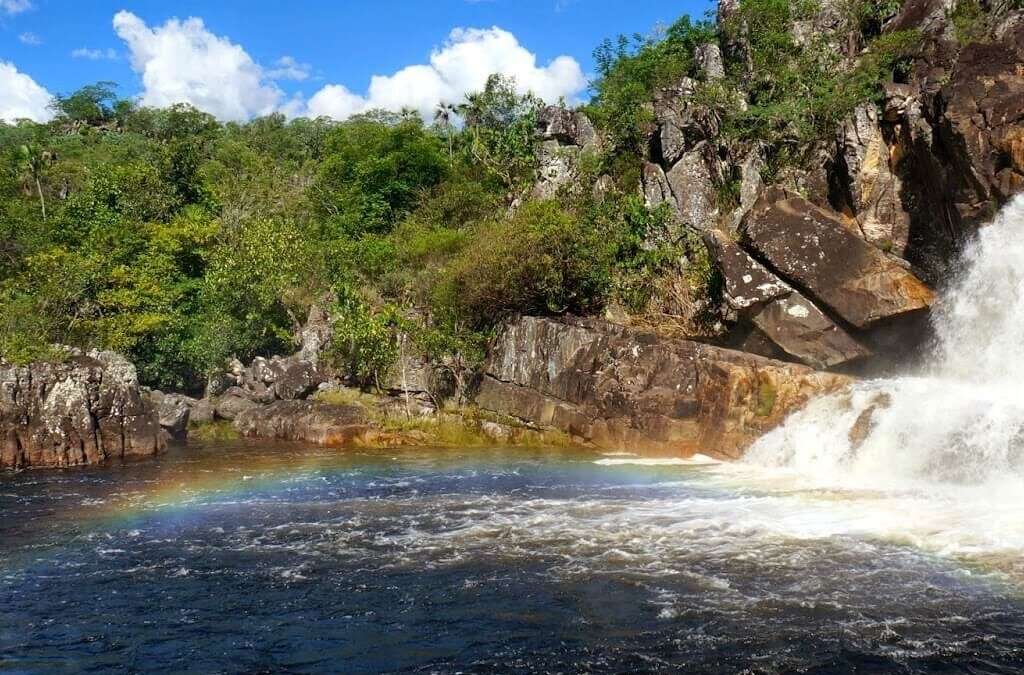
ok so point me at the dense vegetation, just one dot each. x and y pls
(183, 241)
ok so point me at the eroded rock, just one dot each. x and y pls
(309, 421)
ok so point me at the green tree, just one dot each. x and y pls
(92, 104)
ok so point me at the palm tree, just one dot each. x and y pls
(33, 161)
(443, 119)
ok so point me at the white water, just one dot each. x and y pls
(942, 462)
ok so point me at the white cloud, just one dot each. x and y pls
(21, 97)
(15, 6)
(94, 54)
(182, 62)
(461, 66)
(30, 39)
(287, 68)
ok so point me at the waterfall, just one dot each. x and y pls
(957, 422)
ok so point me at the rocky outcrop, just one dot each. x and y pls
(815, 250)
(618, 388)
(875, 189)
(85, 410)
(982, 126)
(564, 136)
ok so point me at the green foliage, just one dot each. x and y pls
(365, 344)
(374, 172)
(631, 69)
(219, 430)
(500, 124)
(92, 104)
(969, 21)
(541, 260)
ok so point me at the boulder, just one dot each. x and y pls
(815, 250)
(202, 412)
(309, 421)
(296, 379)
(801, 330)
(173, 413)
(623, 389)
(234, 402)
(85, 410)
(790, 321)
(566, 127)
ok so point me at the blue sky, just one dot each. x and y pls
(329, 48)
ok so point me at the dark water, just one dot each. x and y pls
(249, 558)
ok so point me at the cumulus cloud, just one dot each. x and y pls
(94, 54)
(30, 39)
(460, 66)
(21, 97)
(183, 62)
(15, 6)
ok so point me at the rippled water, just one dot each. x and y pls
(250, 557)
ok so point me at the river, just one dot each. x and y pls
(280, 558)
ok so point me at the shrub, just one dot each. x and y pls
(542, 260)
(364, 346)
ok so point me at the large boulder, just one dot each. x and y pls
(85, 410)
(309, 421)
(234, 402)
(173, 412)
(622, 389)
(295, 379)
(816, 251)
(791, 322)
(566, 127)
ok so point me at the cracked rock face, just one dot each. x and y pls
(785, 317)
(83, 411)
(619, 388)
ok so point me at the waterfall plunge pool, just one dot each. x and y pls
(257, 557)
